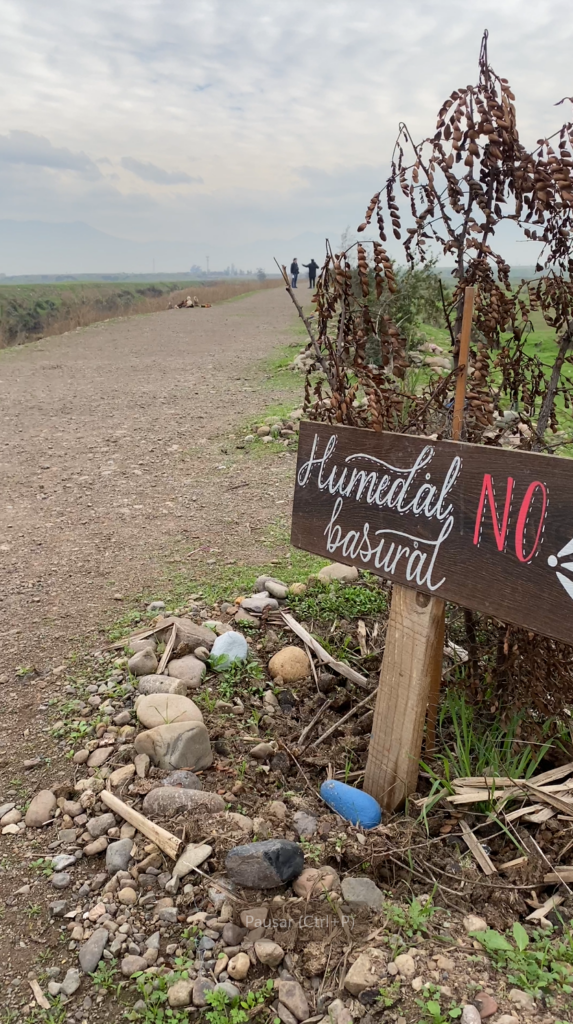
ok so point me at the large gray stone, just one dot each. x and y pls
(339, 573)
(118, 856)
(166, 709)
(176, 746)
(167, 801)
(257, 604)
(92, 950)
(188, 669)
(143, 663)
(292, 996)
(41, 809)
(161, 684)
(190, 634)
(265, 865)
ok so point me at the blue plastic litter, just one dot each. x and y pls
(351, 804)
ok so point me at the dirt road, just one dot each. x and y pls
(111, 457)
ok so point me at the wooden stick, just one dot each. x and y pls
(142, 634)
(412, 660)
(478, 851)
(168, 648)
(548, 906)
(463, 359)
(39, 995)
(565, 806)
(165, 840)
(457, 424)
(324, 656)
(344, 719)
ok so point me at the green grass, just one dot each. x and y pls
(538, 963)
(329, 601)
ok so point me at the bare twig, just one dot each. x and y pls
(344, 719)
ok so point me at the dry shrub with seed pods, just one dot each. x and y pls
(450, 193)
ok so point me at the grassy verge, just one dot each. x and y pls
(31, 311)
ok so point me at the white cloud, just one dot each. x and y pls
(151, 172)
(286, 111)
(19, 147)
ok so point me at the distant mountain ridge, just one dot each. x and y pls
(37, 248)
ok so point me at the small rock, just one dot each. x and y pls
(144, 663)
(266, 864)
(80, 756)
(100, 825)
(121, 775)
(167, 801)
(61, 880)
(507, 1018)
(166, 709)
(123, 718)
(176, 746)
(262, 751)
(339, 573)
(201, 988)
(277, 809)
(269, 953)
(314, 881)
(238, 966)
(92, 950)
(232, 935)
(54, 988)
(127, 897)
(118, 856)
(11, 830)
(98, 846)
(277, 589)
(142, 764)
(254, 917)
(366, 972)
(11, 818)
(292, 996)
(58, 908)
(232, 646)
(362, 892)
(285, 1015)
(182, 779)
(161, 684)
(291, 664)
(230, 990)
(202, 654)
(473, 923)
(470, 1015)
(304, 823)
(523, 1000)
(132, 964)
(5, 808)
(258, 603)
(156, 606)
(63, 861)
(188, 669)
(406, 965)
(180, 994)
(485, 1003)
(41, 809)
(99, 756)
(71, 982)
(193, 855)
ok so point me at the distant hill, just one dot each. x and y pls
(37, 248)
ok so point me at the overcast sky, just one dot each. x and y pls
(236, 121)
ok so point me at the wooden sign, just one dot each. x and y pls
(487, 528)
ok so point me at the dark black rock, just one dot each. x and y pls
(221, 748)
(265, 865)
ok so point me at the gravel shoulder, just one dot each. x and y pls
(111, 462)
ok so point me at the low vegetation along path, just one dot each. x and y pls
(114, 464)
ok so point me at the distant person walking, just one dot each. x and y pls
(294, 272)
(312, 269)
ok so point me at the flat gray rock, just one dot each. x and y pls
(167, 801)
(176, 746)
(92, 950)
(362, 892)
(118, 856)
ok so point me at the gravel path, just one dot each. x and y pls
(110, 441)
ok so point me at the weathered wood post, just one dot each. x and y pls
(411, 670)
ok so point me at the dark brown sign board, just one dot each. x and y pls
(487, 528)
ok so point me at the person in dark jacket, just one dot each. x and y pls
(294, 272)
(312, 269)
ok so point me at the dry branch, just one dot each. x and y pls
(324, 656)
(163, 839)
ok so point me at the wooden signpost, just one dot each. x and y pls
(487, 528)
